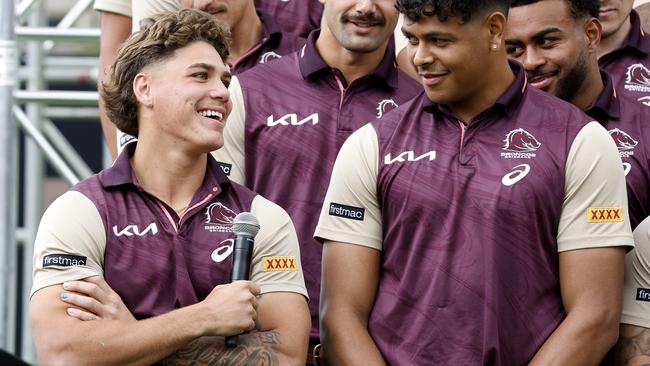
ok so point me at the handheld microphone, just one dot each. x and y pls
(245, 226)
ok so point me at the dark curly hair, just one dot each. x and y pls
(445, 9)
(168, 32)
(579, 8)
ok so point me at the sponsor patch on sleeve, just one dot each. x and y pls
(604, 214)
(347, 212)
(64, 260)
(279, 264)
(227, 168)
(643, 294)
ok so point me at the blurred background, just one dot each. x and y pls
(50, 137)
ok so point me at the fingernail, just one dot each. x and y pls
(64, 295)
(66, 285)
(70, 311)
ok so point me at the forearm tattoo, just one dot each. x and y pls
(632, 348)
(258, 348)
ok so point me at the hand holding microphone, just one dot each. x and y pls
(245, 226)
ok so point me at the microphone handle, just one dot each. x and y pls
(241, 267)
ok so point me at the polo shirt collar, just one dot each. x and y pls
(508, 101)
(122, 173)
(311, 62)
(636, 39)
(607, 105)
(271, 28)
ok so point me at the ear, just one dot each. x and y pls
(593, 30)
(496, 25)
(142, 89)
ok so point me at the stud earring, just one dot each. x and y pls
(494, 46)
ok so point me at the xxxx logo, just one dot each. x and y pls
(279, 264)
(604, 214)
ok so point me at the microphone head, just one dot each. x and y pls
(245, 223)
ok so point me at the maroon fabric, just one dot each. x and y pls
(297, 17)
(273, 45)
(627, 123)
(469, 268)
(299, 111)
(156, 271)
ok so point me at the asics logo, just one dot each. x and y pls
(221, 253)
(645, 101)
(518, 173)
(134, 230)
(626, 168)
(291, 119)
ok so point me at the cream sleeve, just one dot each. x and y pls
(122, 7)
(350, 212)
(594, 211)
(276, 265)
(231, 155)
(143, 9)
(70, 242)
(636, 293)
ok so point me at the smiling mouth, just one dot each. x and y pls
(543, 81)
(210, 113)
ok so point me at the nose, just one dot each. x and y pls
(532, 59)
(419, 55)
(202, 4)
(365, 6)
(219, 92)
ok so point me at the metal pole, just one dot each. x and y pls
(8, 71)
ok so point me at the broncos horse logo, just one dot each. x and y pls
(638, 74)
(268, 56)
(623, 140)
(219, 214)
(385, 106)
(520, 140)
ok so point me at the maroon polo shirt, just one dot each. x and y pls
(273, 45)
(159, 270)
(629, 66)
(299, 111)
(298, 17)
(488, 250)
(627, 123)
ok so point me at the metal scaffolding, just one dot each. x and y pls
(23, 32)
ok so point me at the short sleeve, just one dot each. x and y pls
(70, 242)
(231, 155)
(350, 212)
(636, 293)
(594, 211)
(276, 265)
(122, 7)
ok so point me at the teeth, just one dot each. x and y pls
(210, 113)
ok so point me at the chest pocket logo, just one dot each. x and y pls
(518, 173)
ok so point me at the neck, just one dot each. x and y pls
(615, 40)
(170, 174)
(501, 79)
(245, 35)
(590, 91)
(353, 65)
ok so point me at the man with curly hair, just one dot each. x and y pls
(483, 223)
(132, 266)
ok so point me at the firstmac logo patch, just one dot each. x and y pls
(347, 212)
(64, 260)
(643, 294)
(604, 214)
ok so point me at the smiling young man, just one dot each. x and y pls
(290, 117)
(557, 42)
(157, 227)
(492, 219)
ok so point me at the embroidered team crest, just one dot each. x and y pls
(638, 78)
(385, 106)
(269, 56)
(279, 264)
(219, 218)
(520, 144)
(624, 142)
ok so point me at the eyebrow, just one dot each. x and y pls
(536, 37)
(429, 35)
(202, 65)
